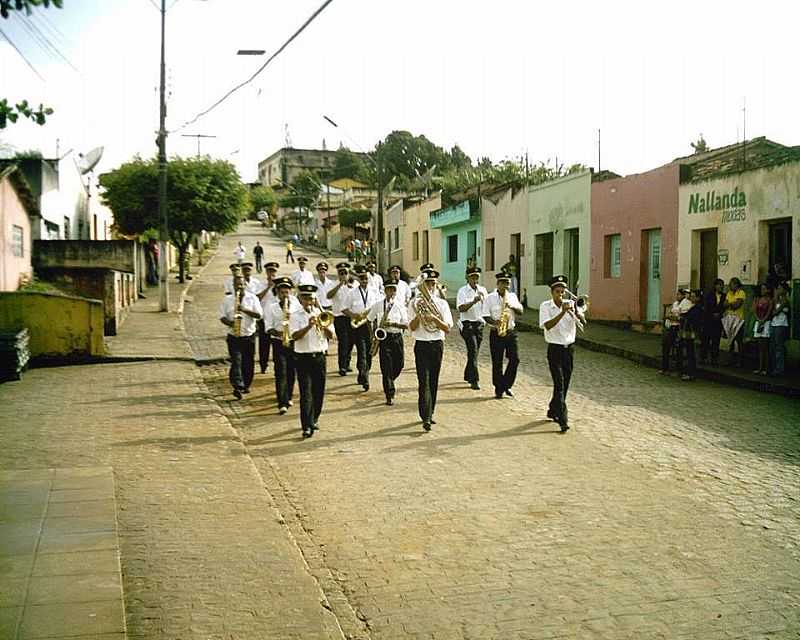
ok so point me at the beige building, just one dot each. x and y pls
(283, 166)
(18, 218)
(504, 220)
(420, 243)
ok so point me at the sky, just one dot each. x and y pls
(500, 79)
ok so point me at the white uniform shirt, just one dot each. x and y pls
(254, 285)
(375, 281)
(249, 302)
(268, 298)
(273, 318)
(314, 341)
(341, 299)
(323, 286)
(403, 291)
(678, 309)
(493, 307)
(397, 313)
(302, 276)
(239, 253)
(466, 294)
(564, 332)
(362, 299)
(421, 333)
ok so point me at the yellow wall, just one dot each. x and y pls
(58, 325)
(417, 219)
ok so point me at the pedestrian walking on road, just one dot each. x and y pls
(258, 254)
(391, 317)
(430, 320)
(339, 297)
(239, 253)
(469, 302)
(239, 312)
(289, 251)
(276, 321)
(499, 310)
(558, 319)
(310, 344)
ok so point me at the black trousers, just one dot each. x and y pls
(472, 333)
(428, 359)
(709, 340)
(559, 359)
(311, 380)
(362, 339)
(669, 340)
(687, 346)
(502, 348)
(283, 359)
(264, 341)
(259, 258)
(242, 352)
(341, 325)
(392, 359)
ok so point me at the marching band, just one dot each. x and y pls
(296, 317)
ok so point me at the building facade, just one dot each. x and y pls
(18, 218)
(459, 228)
(504, 229)
(420, 242)
(395, 232)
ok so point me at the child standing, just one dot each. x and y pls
(762, 308)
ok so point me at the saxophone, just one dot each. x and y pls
(380, 333)
(237, 314)
(286, 335)
(502, 321)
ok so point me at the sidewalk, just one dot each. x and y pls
(645, 349)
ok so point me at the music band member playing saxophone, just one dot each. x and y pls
(499, 309)
(338, 296)
(239, 312)
(276, 321)
(470, 306)
(429, 321)
(392, 317)
(267, 297)
(558, 317)
(310, 344)
(361, 300)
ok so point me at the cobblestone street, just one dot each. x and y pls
(669, 510)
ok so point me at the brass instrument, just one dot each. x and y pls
(237, 314)
(380, 333)
(503, 320)
(581, 303)
(426, 308)
(325, 319)
(359, 319)
(286, 334)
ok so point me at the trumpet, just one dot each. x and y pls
(581, 303)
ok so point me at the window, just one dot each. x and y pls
(17, 241)
(397, 237)
(66, 228)
(415, 245)
(425, 248)
(613, 259)
(452, 248)
(543, 253)
(490, 254)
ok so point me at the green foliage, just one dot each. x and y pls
(347, 164)
(202, 195)
(303, 192)
(7, 6)
(348, 217)
(11, 113)
(263, 199)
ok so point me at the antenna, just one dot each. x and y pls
(744, 132)
(198, 136)
(89, 161)
(287, 137)
(598, 151)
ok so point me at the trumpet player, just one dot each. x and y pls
(338, 295)
(391, 316)
(403, 290)
(239, 313)
(361, 300)
(276, 321)
(430, 321)
(375, 279)
(559, 317)
(500, 309)
(310, 344)
(469, 302)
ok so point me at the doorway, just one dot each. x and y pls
(708, 259)
(653, 309)
(516, 251)
(780, 246)
(571, 253)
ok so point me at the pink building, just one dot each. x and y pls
(17, 208)
(634, 230)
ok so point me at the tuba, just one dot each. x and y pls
(426, 308)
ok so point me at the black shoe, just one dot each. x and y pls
(307, 433)
(314, 427)
(426, 426)
(246, 390)
(564, 426)
(263, 369)
(389, 401)
(237, 393)
(366, 386)
(433, 421)
(349, 370)
(509, 394)
(498, 396)
(475, 386)
(552, 416)
(283, 410)
(342, 372)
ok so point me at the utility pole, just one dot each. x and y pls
(162, 177)
(381, 259)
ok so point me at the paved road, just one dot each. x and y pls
(670, 510)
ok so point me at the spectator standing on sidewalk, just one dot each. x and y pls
(691, 327)
(258, 254)
(713, 306)
(733, 321)
(670, 338)
(779, 331)
(762, 308)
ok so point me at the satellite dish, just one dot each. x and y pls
(88, 162)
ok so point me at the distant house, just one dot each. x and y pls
(19, 215)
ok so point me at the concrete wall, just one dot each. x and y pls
(58, 325)
(417, 219)
(13, 269)
(630, 206)
(554, 207)
(499, 220)
(119, 255)
(768, 195)
(394, 223)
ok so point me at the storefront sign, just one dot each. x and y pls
(722, 255)
(733, 206)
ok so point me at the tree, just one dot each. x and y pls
(263, 199)
(303, 192)
(347, 164)
(700, 146)
(202, 195)
(348, 217)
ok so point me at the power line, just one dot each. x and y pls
(42, 15)
(260, 69)
(44, 41)
(21, 55)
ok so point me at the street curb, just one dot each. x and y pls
(67, 361)
(205, 362)
(655, 363)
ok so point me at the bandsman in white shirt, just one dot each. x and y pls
(276, 321)
(429, 329)
(391, 317)
(338, 296)
(267, 297)
(558, 319)
(503, 347)
(469, 302)
(302, 275)
(403, 290)
(227, 283)
(375, 280)
(323, 283)
(310, 345)
(251, 283)
(240, 311)
(361, 300)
